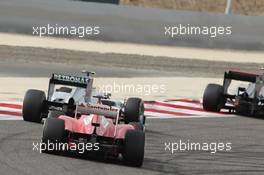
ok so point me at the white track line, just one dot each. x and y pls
(10, 117)
(10, 109)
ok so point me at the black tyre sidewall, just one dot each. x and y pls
(134, 108)
(134, 145)
(33, 105)
(213, 98)
(242, 108)
(53, 133)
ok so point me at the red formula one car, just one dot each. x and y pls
(84, 121)
(97, 129)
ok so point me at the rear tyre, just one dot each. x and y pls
(134, 110)
(213, 98)
(242, 110)
(33, 105)
(134, 145)
(53, 134)
(243, 107)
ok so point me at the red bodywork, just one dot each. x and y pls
(96, 124)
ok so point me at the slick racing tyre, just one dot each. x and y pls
(242, 110)
(134, 110)
(53, 134)
(243, 107)
(213, 98)
(33, 105)
(134, 145)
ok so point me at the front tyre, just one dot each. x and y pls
(134, 110)
(33, 105)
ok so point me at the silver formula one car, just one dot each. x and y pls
(65, 92)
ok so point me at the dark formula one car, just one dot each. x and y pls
(246, 101)
(78, 116)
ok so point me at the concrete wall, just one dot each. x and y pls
(103, 1)
(130, 24)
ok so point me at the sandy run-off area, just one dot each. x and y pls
(13, 89)
(135, 49)
(149, 88)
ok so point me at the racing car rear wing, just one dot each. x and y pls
(99, 109)
(241, 76)
(237, 75)
(87, 108)
(69, 80)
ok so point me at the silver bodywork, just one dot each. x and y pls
(87, 94)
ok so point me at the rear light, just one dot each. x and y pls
(96, 124)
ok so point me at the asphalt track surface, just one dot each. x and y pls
(17, 137)
(246, 157)
(41, 62)
(245, 134)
